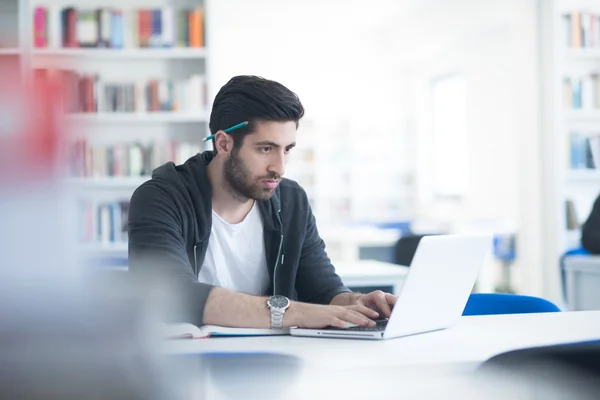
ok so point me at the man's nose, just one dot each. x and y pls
(278, 164)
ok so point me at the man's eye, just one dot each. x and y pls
(288, 149)
(265, 149)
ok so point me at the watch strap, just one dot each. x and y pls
(276, 318)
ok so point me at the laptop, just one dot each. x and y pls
(434, 293)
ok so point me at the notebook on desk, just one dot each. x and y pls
(189, 331)
(435, 291)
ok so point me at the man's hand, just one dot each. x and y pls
(304, 315)
(378, 301)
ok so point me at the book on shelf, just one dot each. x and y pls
(571, 216)
(585, 151)
(125, 159)
(103, 222)
(39, 27)
(189, 331)
(88, 93)
(160, 27)
(581, 92)
(581, 29)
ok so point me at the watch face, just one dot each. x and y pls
(278, 301)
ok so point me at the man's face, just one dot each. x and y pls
(254, 170)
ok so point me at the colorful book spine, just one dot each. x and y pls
(117, 34)
(40, 33)
(196, 30)
(581, 92)
(126, 159)
(163, 27)
(581, 29)
(585, 151)
(88, 93)
(103, 222)
(157, 29)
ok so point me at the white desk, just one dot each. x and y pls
(472, 340)
(430, 365)
(371, 273)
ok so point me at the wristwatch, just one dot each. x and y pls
(277, 304)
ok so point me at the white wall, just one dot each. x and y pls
(499, 61)
(491, 199)
(485, 63)
(316, 48)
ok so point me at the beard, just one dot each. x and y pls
(242, 184)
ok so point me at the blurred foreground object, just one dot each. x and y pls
(64, 334)
(568, 371)
(30, 130)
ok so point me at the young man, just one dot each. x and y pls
(237, 240)
(590, 234)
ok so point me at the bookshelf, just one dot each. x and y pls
(139, 118)
(10, 52)
(583, 115)
(135, 77)
(581, 54)
(108, 182)
(572, 134)
(592, 177)
(117, 54)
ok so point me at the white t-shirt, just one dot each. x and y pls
(235, 258)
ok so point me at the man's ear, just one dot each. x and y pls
(224, 143)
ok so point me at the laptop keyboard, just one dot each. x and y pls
(381, 324)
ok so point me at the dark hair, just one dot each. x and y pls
(253, 99)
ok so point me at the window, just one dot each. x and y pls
(449, 144)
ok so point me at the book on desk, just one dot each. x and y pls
(190, 331)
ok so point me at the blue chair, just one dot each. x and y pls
(505, 303)
(579, 251)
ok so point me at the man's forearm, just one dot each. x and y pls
(345, 299)
(238, 310)
(226, 308)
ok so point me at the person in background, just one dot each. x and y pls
(236, 241)
(590, 233)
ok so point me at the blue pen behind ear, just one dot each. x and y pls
(232, 128)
